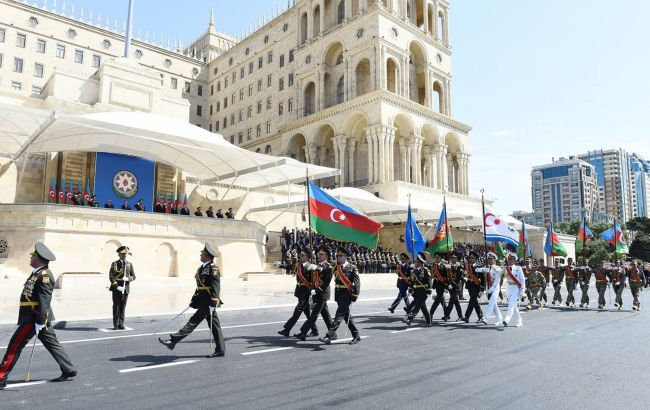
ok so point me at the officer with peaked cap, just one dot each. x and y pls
(403, 271)
(34, 317)
(120, 274)
(421, 283)
(321, 277)
(206, 298)
(492, 278)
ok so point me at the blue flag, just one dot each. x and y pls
(415, 242)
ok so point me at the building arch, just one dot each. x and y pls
(268, 150)
(296, 147)
(323, 139)
(429, 159)
(392, 75)
(404, 129)
(417, 72)
(438, 96)
(362, 77)
(332, 53)
(166, 261)
(355, 128)
(309, 98)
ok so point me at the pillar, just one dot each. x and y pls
(340, 143)
(451, 173)
(351, 148)
(402, 161)
(416, 153)
(311, 154)
(321, 7)
(390, 146)
(441, 156)
(371, 157)
(426, 15)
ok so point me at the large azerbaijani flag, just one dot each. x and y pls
(615, 237)
(523, 250)
(583, 237)
(553, 246)
(442, 241)
(335, 220)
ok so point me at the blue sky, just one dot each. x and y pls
(536, 79)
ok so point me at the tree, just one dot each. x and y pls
(562, 227)
(597, 251)
(640, 248)
(599, 227)
(641, 225)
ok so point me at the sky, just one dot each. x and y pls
(535, 79)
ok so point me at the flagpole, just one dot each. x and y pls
(584, 240)
(444, 206)
(410, 223)
(311, 244)
(483, 218)
(615, 241)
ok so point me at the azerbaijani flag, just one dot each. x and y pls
(62, 193)
(497, 248)
(70, 192)
(442, 241)
(87, 192)
(553, 246)
(584, 234)
(523, 249)
(615, 237)
(52, 193)
(335, 220)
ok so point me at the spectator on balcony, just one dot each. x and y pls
(198, 212)
(109, 204)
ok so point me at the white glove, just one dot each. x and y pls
(412, 265)
(313, 292)
(450, 287)
(120, 288)
(38, 328)
(312, 267)
(617, 283)
(126, 279)
(447, 265)
(582, 283)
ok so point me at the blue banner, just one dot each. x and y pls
(124, 178)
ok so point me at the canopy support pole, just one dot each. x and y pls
(25, 149)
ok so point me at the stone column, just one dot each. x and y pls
(322, 156)
(310, 23)
(352, 144)
(428, 88)
(448, 98)
(416, 151)
(311, 153)
(321, 7)
(402, 161)
(407, 72)
(463, 176)
(451, 173)
(426, 15)
(390, 147)
(340, 143)
(441, 155)
(348, 9)
(371, 157)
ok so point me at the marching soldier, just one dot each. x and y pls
(403, 271)
(475, 286)
(121, 274)
(602, 281)
(206, 298)
(545, 272)
(570, 277)
(557, 273)
(34, 317)
(348, 286)
(454, 271)
(321, 277)
(421, 286)
(528, 272)
(636, 280)
(439, 274)
(303, 273)
(618, 283)
(534, 286)
(516, 287)
(584, 277)
(492, 277)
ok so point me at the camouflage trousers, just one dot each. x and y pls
(585, 294)
(619, 293)
(635, 289)
(570, 287)
(557, 295)
(601, 288)
(534, 295)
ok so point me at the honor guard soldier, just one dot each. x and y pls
(602, 281)
(570, 278)
(492, 280)
(403, 271)
(303, 273)
(516, 287)
(439, 275)
(618, 283)
(454, 272)
(636, 281)
(534, 287)
(475, 286)
(348, 286)
(584, 277)
(321, 277)
(121, 274)
(421, 285)
(206, 298)
(546, 274)
(34, 317)
(557, 273)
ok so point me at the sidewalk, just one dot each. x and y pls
(86, 298)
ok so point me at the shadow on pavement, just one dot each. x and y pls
(152, 359)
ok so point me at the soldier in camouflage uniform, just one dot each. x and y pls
(618, 283)
(557, 275)
(637, 281)
(570, 279)
(602, 281)
(584, 277)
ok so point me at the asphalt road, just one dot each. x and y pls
(562, 358)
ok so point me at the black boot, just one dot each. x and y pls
(3, 383)
(300, 336)
(284, 332)
(167, 343)
(355, 340)
(64, 377)
(216, 354)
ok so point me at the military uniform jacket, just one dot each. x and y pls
(475, 280)
(535, 279)
(403, 270)
(602, 275)
(303, 281)
(584, 275)
(321, 279)
(454, 275)
(347, 282)
(439, 277)
(557, 275)
(421, 279)
(570, 274)
(116, 275)
(618, 275)
(208, 285)
(36, 298)
(635, 277)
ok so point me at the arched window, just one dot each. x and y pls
(303, 28)
(259, 150)
(310, 99)
(267, 150)
(340, 90)
(438, 98)
(392, 75)
(339, 59)
(363, 77)
(340, 12)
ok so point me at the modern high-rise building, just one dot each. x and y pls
(613, 179)
(640, 186)
(563, 191)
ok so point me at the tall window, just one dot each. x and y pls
(174, 83)
(241, 94)
(260, 62)
(281, 60)
(259, 85)
(292, 55)
(3, 33)
(290, 105)
(290, 79)
(38, 70)
(249, 112)
(60, 51)
(40, 46)
(199, 111)
(269, 103)
(212, 89)
(242, 72)
(250, 67)
(97, 61)
(78, 56)
(259, 107)
(21, 39)
(270, 57)
(18, 65)
(340, 16)
(340, 91)
(281, 84)
(250, 90)
(280, 108)
(268, 127)
(188, 86)
(269, 80)
(199, 90)
(258, 130)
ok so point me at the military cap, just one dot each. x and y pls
(324, 249)
(403, 255)
(209, 251)
(492, 255)
(473, 254)
(43, 252)
(511, 255)
(123, 249)
(342, 250)
(422, 257)
(440, 254)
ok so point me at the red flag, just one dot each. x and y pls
(62, 193)
(52, 193)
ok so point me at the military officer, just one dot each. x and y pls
(516, 287)
(321, 277)
(636, 281)
(454, 272)
(120, 274)
(439, 275)
(303, 273)
(35, 316)
(618, 283)
(348, 286)
(403, 271)
(492, 279)
(475, 286)
(421, 285)
(206, 297)
(557, 273)
(570, 279)
(584, 277)
(602, 281)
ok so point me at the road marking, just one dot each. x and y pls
(157, 366)
(15, 385)
(410, 329)
(277, 349)
(107, 330)
(347, 339)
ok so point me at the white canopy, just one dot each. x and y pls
(203, 154)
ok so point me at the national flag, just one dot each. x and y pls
(178, 204)
(185, 201)
(62, 198)
(497, 230)
(172, 205)
(415, 242)
(615, 236)
(442, 241)
(164, 202)
(523, 250)
(83, 200)
(553, 246)
(497, 248)
(52, 194)
(87, 193)
(335, 220)
(584, 234)
(69, 192)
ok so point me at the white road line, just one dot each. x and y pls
(410, 329)
(157, 366)
(347, 339)
(277, 349)
(15, 385)
(106, 330)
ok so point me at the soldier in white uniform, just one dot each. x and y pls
(516, 288)
(493, 276)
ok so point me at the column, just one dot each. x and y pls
(340, 143)
(451, 173)
(321, 7)
(310, 24)
(426, 15)
(348, 9)
(319, 91)
(428, 88)
(390, 146)
(416, 166)
(351, 148)
(403, 12)
(402, 160)
(371, 157)
(448, 98)
(463, 175)
(311, 153)
(441, 155)
(322, 156)
(407, 72)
